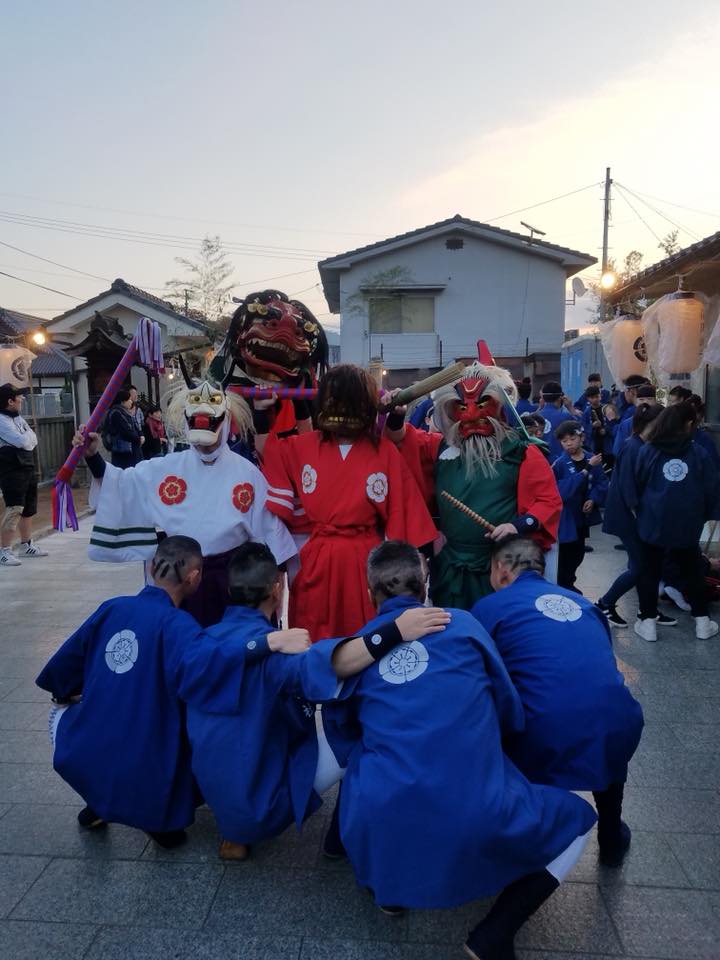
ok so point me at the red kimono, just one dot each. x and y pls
(347, 506)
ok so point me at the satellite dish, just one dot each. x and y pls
(578, 287)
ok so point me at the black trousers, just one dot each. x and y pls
(686, 559)
(570, 556)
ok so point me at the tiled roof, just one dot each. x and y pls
(460, 221)
(50, 361)
(706, 249)
(141, 296)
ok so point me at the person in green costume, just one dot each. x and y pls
(487, 464)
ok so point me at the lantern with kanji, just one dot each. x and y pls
(680, 334)
(624, 347)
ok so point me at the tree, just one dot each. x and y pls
(669, 243)
(204, 287)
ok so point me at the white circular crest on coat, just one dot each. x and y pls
(251, 644)
(675, 470)
(309, 478)
(376, 639)
(548, 427)
(405, 663)
(121, 651)
(377, 487)
(559, 608)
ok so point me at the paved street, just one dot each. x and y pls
(66, 893)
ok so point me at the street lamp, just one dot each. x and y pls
(608, 280)
(39, 338)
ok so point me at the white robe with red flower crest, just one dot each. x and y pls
(220, 504)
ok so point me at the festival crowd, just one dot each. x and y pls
(437, 659)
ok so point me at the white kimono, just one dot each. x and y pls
(220, 504)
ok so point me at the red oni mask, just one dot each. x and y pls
(473, 407)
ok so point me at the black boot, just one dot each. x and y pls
(333, 847)
(492, 939)
(89, 819)
(612, 832)
(169, 839)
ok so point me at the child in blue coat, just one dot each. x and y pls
(583, 487)
(674, 491)
(556, 408)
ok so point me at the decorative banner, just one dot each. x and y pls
(15, 366)
(146, 346)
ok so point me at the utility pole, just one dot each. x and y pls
(606, 225)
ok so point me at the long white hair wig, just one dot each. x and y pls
(173, 406)
(478, 452)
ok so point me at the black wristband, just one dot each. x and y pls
(525, 523)
(96, 465)
(261, 421)
(383, 640)
(395, 420)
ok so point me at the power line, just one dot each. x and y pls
(680, 206)
(678, 226)
(53, 262)
(161, 216)
(639, 215)
(280, 276)
(40, 285)
(544, 202)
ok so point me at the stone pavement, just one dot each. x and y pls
(114, 895)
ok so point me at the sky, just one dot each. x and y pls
(298, 130)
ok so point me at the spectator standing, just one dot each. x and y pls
(598, 430)
(154, 432)
(525, 404)
(555, 408)
(594, 380)
(135, 410)
(18, 479)
(625, 401)
(122, 433)
(675, 489)
(583, 487)
(644, 396)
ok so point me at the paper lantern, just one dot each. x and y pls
(625, 348)
(680, 323)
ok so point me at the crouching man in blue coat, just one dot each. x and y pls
(582, 724)
(259, 761)
(120, 684)
(432, 813)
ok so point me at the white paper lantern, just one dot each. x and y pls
(680, 323)
(624, 348)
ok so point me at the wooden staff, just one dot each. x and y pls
(433, 382)
(465, 509)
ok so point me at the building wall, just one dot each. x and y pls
(514, 301)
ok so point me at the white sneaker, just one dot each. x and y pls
(677, 598)
(647, 629)
(8, 560)
(30, 549)
(705, 628)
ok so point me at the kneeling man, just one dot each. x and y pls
(582, 724)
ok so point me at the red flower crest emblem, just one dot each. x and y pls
(172, 490)
(243, 497)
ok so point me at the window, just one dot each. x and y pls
(402, 314)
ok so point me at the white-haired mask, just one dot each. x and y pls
(206, 411)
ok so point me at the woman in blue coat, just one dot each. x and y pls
(673, 492)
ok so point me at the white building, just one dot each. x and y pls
(424, 298)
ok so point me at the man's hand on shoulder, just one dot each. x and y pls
(420, 621)
(296, 640)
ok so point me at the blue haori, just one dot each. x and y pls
(255, 763)
(582, 724)
(123, 747)
(432, 813)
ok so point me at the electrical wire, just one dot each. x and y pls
(638, 215)
(54, 262)
(544, 202)
(678, 226)
(40, 286)
(680, 206)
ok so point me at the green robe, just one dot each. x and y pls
(460, 573)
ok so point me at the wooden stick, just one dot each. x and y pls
(465, 509)
(433, 382)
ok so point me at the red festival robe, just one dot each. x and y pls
(346, 506)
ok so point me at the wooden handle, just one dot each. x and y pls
(433, 382)
(465, 509)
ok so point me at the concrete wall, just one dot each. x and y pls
(492, 292)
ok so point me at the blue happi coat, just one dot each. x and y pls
(553, 419)
(619, 518)
(673, 492)
(575, 488)
(432, 813)
(582, 724)
(255, 762)
(124, 748)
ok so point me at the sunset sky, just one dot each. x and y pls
(299, 130)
